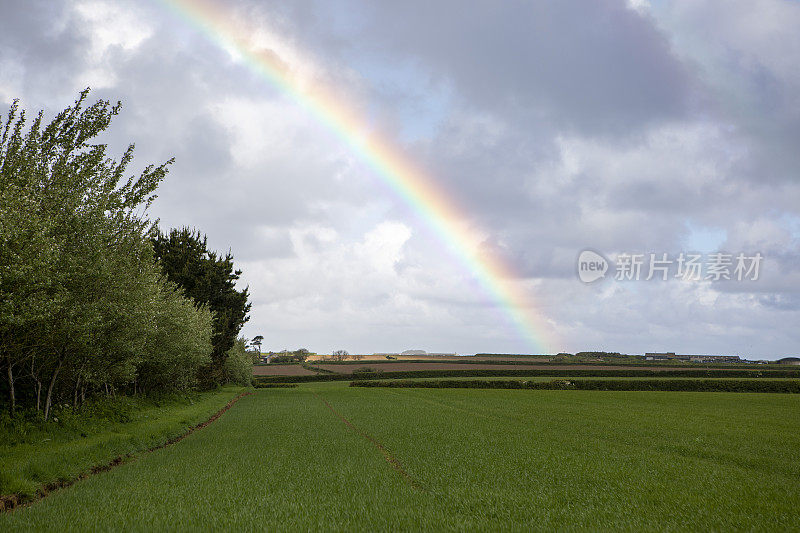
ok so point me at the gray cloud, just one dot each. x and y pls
(555, 126)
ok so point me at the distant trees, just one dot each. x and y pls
(257, 340)
(84, 307)
(296, 356)
(339, 355)
(209, 280)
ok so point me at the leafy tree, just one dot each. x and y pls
(210, 280)
(83, 305)
(239, 364)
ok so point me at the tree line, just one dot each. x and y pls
(94, 298)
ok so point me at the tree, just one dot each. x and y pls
(339, 355)
(210, 280)
(239, 365)
(257, 340)
(83, 304)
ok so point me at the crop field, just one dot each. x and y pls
(328, 456)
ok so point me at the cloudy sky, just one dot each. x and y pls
(625, 128)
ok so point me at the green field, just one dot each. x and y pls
(32, 456)
(286, 459)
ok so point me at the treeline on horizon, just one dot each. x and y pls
(94, 299)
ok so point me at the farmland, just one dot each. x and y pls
(329, 456)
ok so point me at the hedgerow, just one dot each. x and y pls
(631, 373)
(676, 385)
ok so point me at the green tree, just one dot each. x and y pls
(257, 340)
(210, 280)
(239, 364)
(83, 304)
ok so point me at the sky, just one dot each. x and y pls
(621, 127)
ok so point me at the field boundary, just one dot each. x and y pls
(10, 502)
(392, 460)
(666, 385)
(562, 373)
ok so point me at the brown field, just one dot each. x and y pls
(282, 370)
(434, 358)
(403, 367)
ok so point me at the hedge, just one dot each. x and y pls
(628, 373)
(263, 385)
(689, 385)
(470, 360)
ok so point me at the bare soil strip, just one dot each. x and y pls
(406, 367)
(9, 502)
(375, 442)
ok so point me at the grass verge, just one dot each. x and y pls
(38, 457)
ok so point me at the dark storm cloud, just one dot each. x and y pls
(591, 66)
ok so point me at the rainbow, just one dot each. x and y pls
(417, 190)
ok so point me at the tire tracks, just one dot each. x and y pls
(392, 460)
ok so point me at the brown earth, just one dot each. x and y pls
(405, 367)
(366, 358)
(282, 370)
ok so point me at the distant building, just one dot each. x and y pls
(672, 356)
(714, 359)
(412, 353)
(664, 356)
(789, 361)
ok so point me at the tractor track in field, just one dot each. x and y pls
(392, 460)
(9, 502)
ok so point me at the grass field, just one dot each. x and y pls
(32, 456)
(326, 456)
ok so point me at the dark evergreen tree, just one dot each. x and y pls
(210, 280)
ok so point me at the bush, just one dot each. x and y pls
(239, 364)
(283, 359)
(261, 385)
(366, 372)
(317, 369)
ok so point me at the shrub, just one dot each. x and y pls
(238, 365)
(317, 369)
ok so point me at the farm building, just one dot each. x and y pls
(664, 356)
(714, 359)
(789, 361)
(672, 356)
